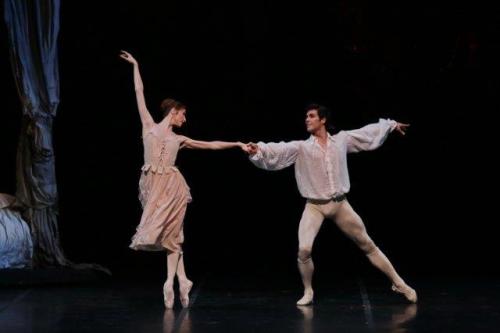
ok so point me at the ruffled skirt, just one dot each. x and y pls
(164, 197)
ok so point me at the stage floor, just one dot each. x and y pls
(243, 303)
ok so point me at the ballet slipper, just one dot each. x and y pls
(409, 293)
(307, 299)
(184, 290)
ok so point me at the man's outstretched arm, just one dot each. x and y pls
(372, 136)
(273, 156)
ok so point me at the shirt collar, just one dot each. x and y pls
(312, 139)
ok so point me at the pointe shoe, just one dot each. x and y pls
(408, 292)
(307, 299)
(168, 296)
(184, 290)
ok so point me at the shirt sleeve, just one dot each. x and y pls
(275, 156)
(369, 137)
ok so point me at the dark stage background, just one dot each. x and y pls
(246, 70)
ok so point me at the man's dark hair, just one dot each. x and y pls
(323, 113)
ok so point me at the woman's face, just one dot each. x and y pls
(178, 117)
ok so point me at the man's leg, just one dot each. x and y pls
(352, 225)
(311, 221)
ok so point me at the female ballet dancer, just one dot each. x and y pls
(164, 194)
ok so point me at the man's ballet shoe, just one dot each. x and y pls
(168, 296)
(307, 299)
(409, 293)
(184, 290)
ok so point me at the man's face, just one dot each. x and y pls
(313, 122)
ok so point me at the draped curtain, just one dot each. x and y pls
(33, 27)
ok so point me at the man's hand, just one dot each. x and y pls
(252, 148)
(401, 128)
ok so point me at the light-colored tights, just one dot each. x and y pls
(351, 224)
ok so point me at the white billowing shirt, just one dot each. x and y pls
(322, 174)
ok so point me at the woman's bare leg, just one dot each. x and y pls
(168, 287)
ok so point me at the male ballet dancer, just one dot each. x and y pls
(322, 178)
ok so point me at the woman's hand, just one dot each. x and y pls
(128, 57)
(244, 147)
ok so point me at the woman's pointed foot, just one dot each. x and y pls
(168, 295)
(184, 289)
